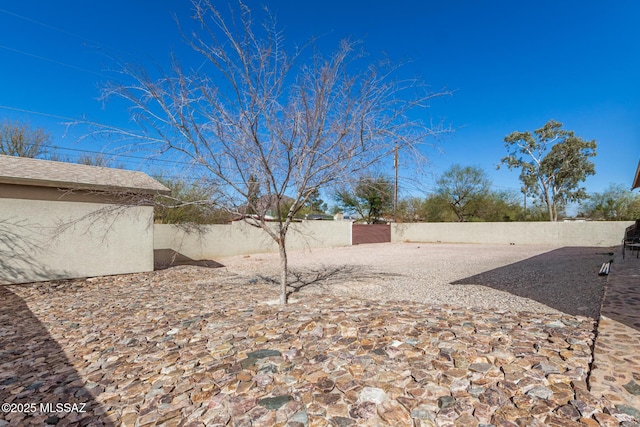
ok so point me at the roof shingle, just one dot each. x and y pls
(47, 173)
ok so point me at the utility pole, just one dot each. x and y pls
(395, 193)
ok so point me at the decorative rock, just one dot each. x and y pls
(263, 379)
(629, 410)
(300, 417)
(446, 402)
(261, 354)
(632, 387)
(568, 412)
(466, 420)
(480, 367)
(459, 386)
(586, 411)
(540, 392)
(341, 361)
(372, 394)
(327, 398)
(546, 368)
(606, 420)
(493, 396)
(325, 384)
(364, 410)
(274, 403)
(554, 421)
(424, 412)
(342, 422)
(394, 414)
(589, 422)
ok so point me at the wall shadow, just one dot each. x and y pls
(165, 258)
(35, 370)
(564, 279)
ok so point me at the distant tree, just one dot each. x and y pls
(253, 195)
(495, 206)
(411, 209)
(438, 209)
(98, 159)
(498, 206)
(552, 162)
(371, 198)
(188, 203)
(616, 203)
(298, 120)
(538, 211)
(315, 205)
(89, 159)
(464, 189)
(20, 139)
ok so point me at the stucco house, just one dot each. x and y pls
(61, 220)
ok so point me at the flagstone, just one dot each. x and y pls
(210, 354)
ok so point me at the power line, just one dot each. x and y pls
(54, 61)
(129, 156)
(42, 24)
(22, 110)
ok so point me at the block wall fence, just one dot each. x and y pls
(238, 238)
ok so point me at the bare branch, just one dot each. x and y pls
(288, 120)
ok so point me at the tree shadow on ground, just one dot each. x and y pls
(327, 275)
(35, 370)
(557, 279)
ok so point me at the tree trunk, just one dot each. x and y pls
(550, 205)
(283, 270)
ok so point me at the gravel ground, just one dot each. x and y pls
(503, 277)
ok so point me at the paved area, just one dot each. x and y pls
(194, 346)
(616, 369)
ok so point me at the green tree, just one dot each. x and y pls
(464, 189)
(315, 205)
(411, 209)
(188, 203)
(438, 209)
(616, 203)
(499, 206)
(371, 198)
(253, 195)
(552, 162)
(20, 139)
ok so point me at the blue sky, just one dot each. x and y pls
(512, 66)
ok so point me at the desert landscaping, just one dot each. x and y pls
(398, 334)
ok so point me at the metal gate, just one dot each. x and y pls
(370, 233)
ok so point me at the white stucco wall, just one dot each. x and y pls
(590, 233)
(33, 247)
(239, 238)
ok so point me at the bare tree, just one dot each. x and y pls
(256, 114)
(19, 139)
